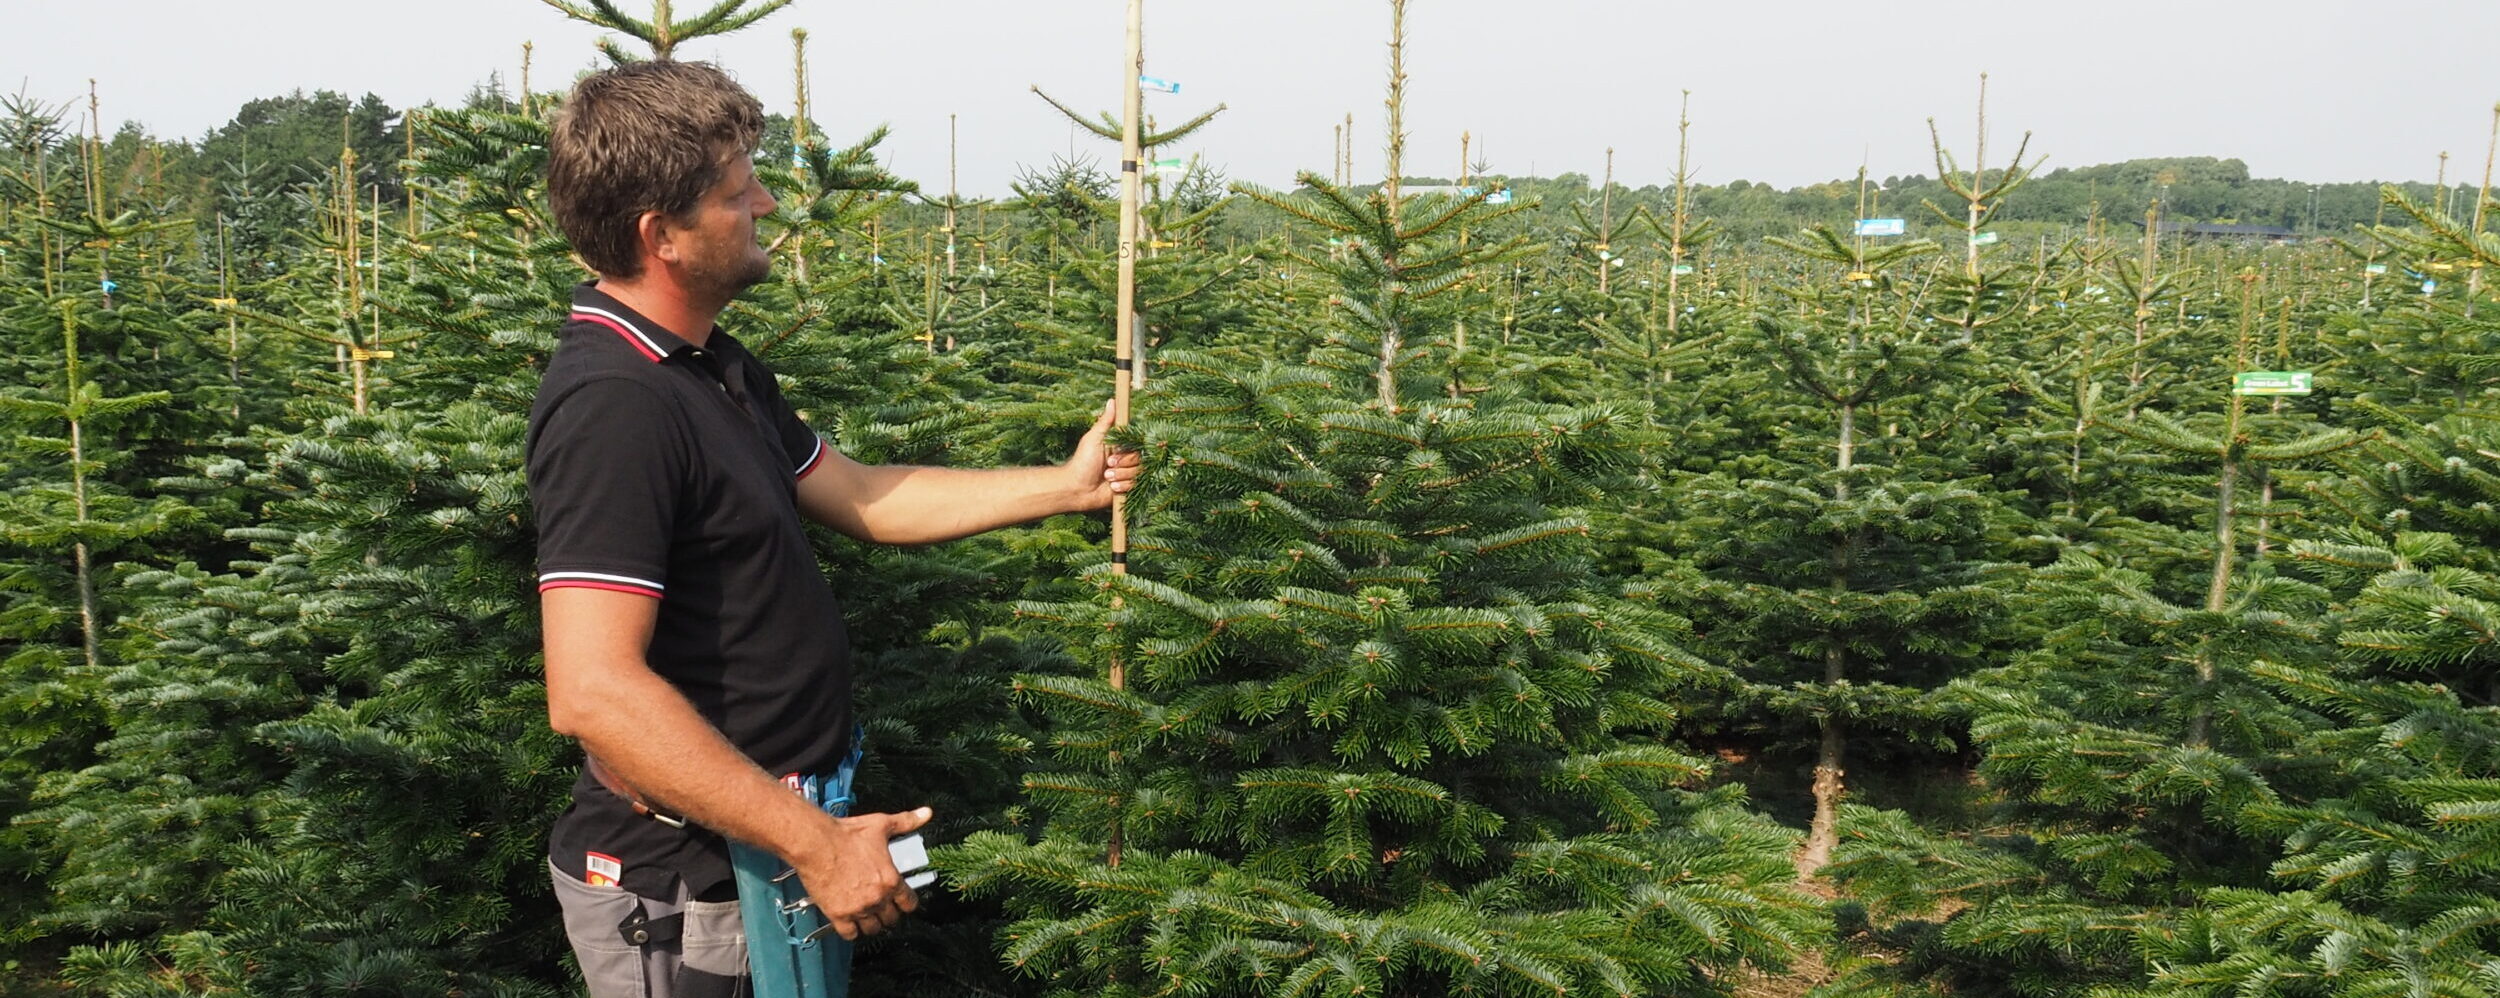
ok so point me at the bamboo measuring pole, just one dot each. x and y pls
(1124, 334)
(1124, 324)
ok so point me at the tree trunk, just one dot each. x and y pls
(88, 628)
(1823, 833)
(2200, 726)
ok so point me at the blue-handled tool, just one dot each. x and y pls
(791, 950)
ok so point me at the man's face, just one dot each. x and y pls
(716, 243)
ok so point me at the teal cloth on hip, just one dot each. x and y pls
(782, 960)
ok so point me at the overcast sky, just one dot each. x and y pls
(1788, 93)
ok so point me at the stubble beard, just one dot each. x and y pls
(722, 279)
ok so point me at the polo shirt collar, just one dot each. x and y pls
(650, 339)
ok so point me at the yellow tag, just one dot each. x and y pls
(1161, 244)
(1860, 275)
(2441, 267)
(224, 302)
(360, 353)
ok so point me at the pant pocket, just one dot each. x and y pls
(715, 939)
(611, 967)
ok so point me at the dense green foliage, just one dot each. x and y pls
(1877, 617)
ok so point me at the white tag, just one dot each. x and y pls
(921, 879)
(909, 853)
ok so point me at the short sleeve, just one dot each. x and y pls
(607, 468)
(806, 450)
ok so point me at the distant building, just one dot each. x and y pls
(2208, 232)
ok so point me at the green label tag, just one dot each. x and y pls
(1683, 268)
(1984, 239)
(2376, 268)
(2270, 383)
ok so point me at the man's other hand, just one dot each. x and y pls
(1097, 472)
(853, 882)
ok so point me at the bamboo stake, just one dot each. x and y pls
(2440, 181)
(234, 335)
(1683, 185)
(1978, 166)
(2368, 262)
(2474, 272)
(2265, 472)
(374, 302)
(950, 197)
(95, 191)
(1458, 347)
(1125, 321)
(351, 277)
(798, 136)
(2136, 371)
(1605, 221)
(408, 179)
(1392, 337)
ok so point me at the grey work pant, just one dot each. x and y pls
(702, 955)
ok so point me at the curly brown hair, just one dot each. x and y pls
(644, 136)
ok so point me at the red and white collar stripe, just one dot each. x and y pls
(633, 334)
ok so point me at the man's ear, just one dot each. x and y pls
(656, 238)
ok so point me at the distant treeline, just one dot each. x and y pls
(2190, 189)
(244, 169)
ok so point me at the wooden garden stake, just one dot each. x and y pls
(798, 140)
(950, 197)
(1683, 209)
(2474, 273)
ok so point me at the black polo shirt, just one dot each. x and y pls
(670, 471)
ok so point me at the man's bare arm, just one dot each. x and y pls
(601, 690)
(900, 504)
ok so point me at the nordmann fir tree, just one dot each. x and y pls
(2087, 489)
(335, 805)
(1189, 294)
(62, 559)
(1383, 733)
(2130, 747)
(2383, 875)
(1846, 560)
(78, 513)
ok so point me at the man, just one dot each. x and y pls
(692, 644)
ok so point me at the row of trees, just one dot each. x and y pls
(1509, 610)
